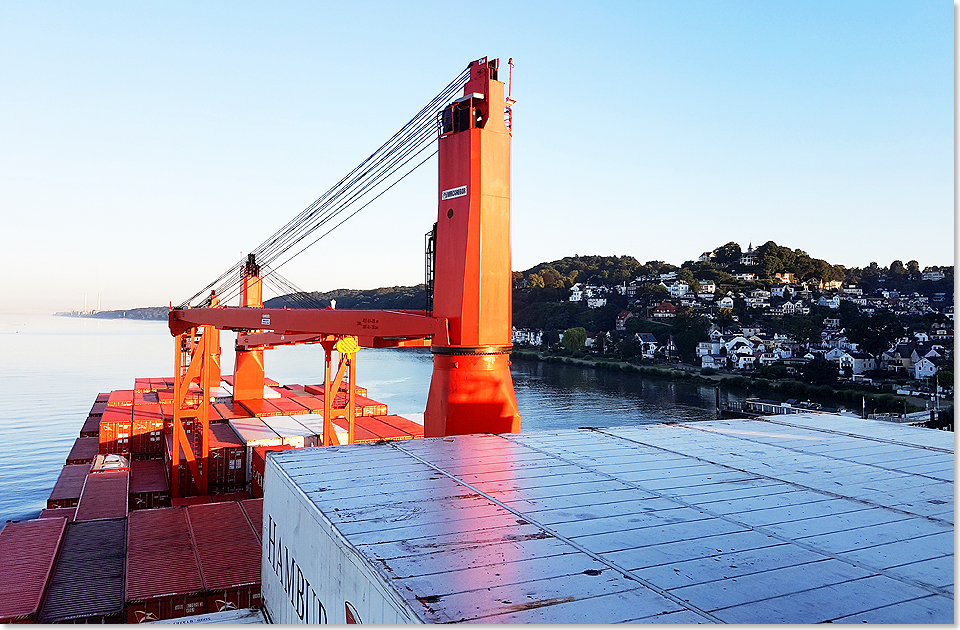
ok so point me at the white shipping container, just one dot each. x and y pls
(220, 394)
(269, 392)
(313, 422)
(292, 432)
(253, 432)
(706, 521)
(238, 616)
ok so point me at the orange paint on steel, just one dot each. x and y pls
(249, 369)
(196, 359)
(469, 329)
(472, 389)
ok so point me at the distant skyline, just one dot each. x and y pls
(145, 146)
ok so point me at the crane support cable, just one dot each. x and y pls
(383, 169)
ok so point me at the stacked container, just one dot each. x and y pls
(66, 492)
(86, 584)
(406, 426)
(227, 462)
(229, 554)
(84, 450)
(289, 406)
(147, 437)
(91, 426)
(344, 387)
(253, 432)
(185, 483)
(115, 428)
(27, 554)
(292, 432)
(253, 508)
(230, 411)
(260, 407)
(105, 495)
(120, 398)
(67, 513)
(314, 423)
(163, 576)
(149, 486)
(258, 465)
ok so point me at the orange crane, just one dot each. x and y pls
(467, 326)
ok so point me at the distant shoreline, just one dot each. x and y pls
(152, 313)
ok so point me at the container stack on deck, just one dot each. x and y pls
(110, 548)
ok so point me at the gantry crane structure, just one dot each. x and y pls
(467, 322)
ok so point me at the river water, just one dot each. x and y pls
(53, 367)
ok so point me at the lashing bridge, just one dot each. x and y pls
(467, 319)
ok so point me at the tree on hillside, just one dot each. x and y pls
(636, 325)
(819, 371)
(727, 254)
(574, 339)
(874, 335)
(685, 275)
(689, 329)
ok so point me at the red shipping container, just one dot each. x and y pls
(27, 553)
(288, 406)
(311, 403)
(84, 450)
(253, 508)
(91, 426)
(149, 486)
(186, 485)
(120, 398)
(228, 459)
(147, 436)
(163, 576)
(67, 513)
(66, 492)
(411, 428)
(370, 406)
(115, 428)
(258, 466)
(189, 500)
(384, 428)
(318, 389)
(145, 398)
(229, 555)
(98, 407)
(86, 584)
(229, 496)
(104, 496)
(103, 397)
(231, 411)
(363, 432)
(142, 385)
(259, 407)
(363, 406)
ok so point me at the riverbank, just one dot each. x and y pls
(850, 398)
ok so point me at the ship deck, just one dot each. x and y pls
(800, 519)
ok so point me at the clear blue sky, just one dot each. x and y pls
(145, 145)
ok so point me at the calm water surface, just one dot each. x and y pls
(53, 367)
